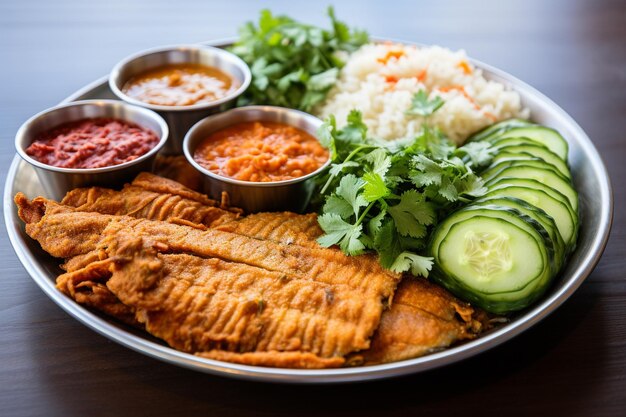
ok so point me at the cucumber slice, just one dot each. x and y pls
(492, 256)
(512, 216)
(504, 142)
(536, 195)
(536, 214)
(542, 175)
(531, 183)
(510, 154)
(544, 135)
(498, 166)
(498, 128)
(535, 151)
(497, 257)
(497, 304)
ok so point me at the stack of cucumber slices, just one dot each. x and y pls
(502, 251)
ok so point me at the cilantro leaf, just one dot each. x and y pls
(336, 169)
(418, 265)
(447, 190)
(340, 232)
(387, 244)
(293, 64)
(411, 215)
(348, 189)
(349, 41)
(422, 106)
(471, 185)
(431, 142)
(375, 223)
(385, 234)
(387, 197)
(309, 99)
(338, 205)
(479, 153)
(324, 80)
(355, 131)
(325, 135)
(427, 172)
(380, 161)
(375, 187)
(293, 77)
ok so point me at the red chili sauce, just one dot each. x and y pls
(92, 143)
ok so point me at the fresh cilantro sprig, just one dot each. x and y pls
(293, 64)
(422, 106)
(388, 196)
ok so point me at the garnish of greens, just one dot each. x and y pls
(293, 65)
(422, 106)
(388, 196)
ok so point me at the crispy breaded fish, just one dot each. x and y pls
(424, 318)
(256, 290)
(182, 283)
(157, 198)
(151, 197)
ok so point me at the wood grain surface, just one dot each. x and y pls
(573, 363)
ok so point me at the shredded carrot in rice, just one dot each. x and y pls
(465, 67)
(461, 89)
(421, 76)
(389, 55)
(391, 79)
(491, 115)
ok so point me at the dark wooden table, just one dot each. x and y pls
(573, 363)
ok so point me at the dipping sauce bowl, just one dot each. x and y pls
(181, 118)
(285, 195)
(58, 181)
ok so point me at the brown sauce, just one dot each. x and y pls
(180, 85)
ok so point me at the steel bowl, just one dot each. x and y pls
(290, 195)
(58, 181)
(181, 118)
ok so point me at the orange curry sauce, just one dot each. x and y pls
(179, 85)
(261, 152)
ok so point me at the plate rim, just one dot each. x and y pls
(361, 373)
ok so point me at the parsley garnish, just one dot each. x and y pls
(388, 196)
(293, 65)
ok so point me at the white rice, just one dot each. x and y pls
(382, 90)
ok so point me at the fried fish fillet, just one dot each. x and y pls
(198, 304)
(65, 233)
(423, 317)
(156, 198)
(315, 300)
(151, 197)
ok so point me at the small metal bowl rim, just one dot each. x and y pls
(147, 112)
(264, 109)
(115, 74)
